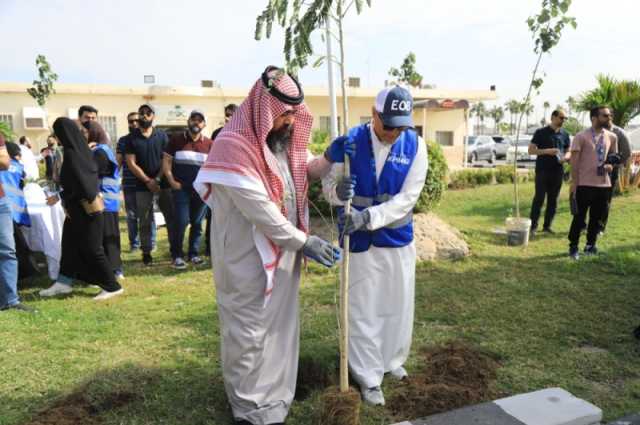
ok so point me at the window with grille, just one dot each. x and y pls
(108, 122)
(325, 124)
(444, 138)
(7, 119)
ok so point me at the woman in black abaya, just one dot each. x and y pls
(83, 255)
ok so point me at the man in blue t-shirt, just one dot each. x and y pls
(129, 188)
(143, 153)
(551, 145)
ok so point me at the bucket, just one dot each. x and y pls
(518, 231)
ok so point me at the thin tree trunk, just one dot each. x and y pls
(345, 102)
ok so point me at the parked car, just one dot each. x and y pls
(480, 148)
(502, 145)
(523, 150)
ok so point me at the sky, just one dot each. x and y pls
(459, 44)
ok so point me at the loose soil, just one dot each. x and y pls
(77, 409)
(453, 376)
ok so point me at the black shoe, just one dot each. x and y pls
(590, 250)
(548, 230)
(147, 259)
(242, 422)
(20, 307)
(636, 332)
(574, 253)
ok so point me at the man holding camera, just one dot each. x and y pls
(593, 153)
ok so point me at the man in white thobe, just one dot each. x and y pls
(388, 170)
(255, 181)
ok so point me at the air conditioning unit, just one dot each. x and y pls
(354, 82)
(34, 118)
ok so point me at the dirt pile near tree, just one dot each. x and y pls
(434, 239)
(453, 376)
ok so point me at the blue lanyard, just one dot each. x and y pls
(599, 145)
(372, 163)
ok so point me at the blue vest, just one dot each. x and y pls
(11, 180)
(110, 185)
(369, 192)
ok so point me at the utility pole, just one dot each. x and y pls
(333, 103)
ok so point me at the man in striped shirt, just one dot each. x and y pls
(184, 155)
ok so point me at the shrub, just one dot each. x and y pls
(473, 177)
(435, 183)
(319, 141)
(318, 206)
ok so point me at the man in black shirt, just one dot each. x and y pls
(143, 153)
(551, 145)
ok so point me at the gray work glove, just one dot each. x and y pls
(354, 221)
(345, 189)
(321, 251)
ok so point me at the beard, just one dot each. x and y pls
(279, 141)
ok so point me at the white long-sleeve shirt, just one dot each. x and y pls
(400, 204)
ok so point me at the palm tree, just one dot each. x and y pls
(546, 105)
(480, 111)
(622, 96)
(527, 110)
(497, 113)
(571, 104)
(513, 106)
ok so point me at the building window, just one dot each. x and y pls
(325, 124)
(8, 119)
(364, 120)
(109, 124)
(444, 138)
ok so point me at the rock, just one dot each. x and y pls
(435, 239)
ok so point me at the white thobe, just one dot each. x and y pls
(382, 280)
(260, 343)
(28, 159)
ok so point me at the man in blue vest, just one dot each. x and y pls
(13, 181)
(387, 172)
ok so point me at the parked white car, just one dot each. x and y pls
(523, 150)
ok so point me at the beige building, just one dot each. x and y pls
(439, 115)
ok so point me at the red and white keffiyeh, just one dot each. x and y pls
(241, 158)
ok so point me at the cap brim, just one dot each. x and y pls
(397, 121)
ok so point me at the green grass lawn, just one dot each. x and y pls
(552, 322)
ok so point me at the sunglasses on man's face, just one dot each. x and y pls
(132, 121)
(397, 129)
(606, 115)
(561, 118)
(146, 113)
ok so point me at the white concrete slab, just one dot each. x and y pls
(552, 406)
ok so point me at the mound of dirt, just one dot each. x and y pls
(453, 376)
(434, 239)
(77, 409)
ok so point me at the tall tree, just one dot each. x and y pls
(527, 109)
(513, 106)
(43, 87)
(572, 104)
(6, 131)
(546, 105)
(407, 73)
(622, 96)
(299, 19)
(497, 113)
(479, 110)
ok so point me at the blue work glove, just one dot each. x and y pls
(354, 221)
(321, 251)
(337, 149)
(345, 189)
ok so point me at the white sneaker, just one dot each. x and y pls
(119, 277)
(399, 373)
(56, 289)
(179, 264)
(104, 295)
(372, 396)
